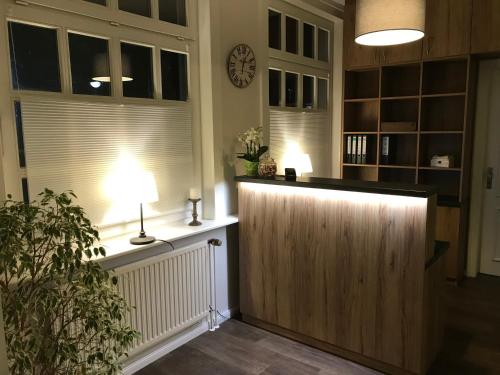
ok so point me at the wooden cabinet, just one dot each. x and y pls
(402, 53)
(356, 55)
(448, 27)
(485, 26)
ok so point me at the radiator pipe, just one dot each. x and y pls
(214, 324)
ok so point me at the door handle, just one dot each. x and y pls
(489, 178)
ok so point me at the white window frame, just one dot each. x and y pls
(46, 13)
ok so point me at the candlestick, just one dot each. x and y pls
(195, 221)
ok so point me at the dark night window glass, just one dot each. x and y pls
(291, 81)
(322, 93)
(137, 71)
(274, 29)
(308, 40)
(140, 7)
(308, 92)
(89, 65)
(292, 35)
(100, 2)
(34, 57)
(20, 134)
(274, 87)
(174, 76)
(323, 45)
(173, 11)
(26, 194)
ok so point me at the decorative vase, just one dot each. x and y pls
(267, 168)
(251, 168)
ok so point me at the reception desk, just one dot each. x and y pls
(349, 267)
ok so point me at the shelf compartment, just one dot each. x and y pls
(445, 76)
(362, 84)
(403, 80)
(398, 175)
(443, 113)
(360, 172)
(402, 150)
(399, 111)
(361, 116)
(440, 144)
(371, 150)
(447, 182)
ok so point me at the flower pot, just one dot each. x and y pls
(251, 168)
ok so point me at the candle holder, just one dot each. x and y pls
(195, 221)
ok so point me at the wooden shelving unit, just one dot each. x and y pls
(428, 100)
(425, 108)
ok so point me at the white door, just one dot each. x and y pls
(490, 240)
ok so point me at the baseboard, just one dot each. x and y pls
(153, 354)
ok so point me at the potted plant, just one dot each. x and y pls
(251, 140)
(62, 312)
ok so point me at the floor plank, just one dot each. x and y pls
(472, 344)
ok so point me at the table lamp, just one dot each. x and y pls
(143, 190)
(304, 164)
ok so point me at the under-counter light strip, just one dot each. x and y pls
(337, 195)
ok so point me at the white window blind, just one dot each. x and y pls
(295, 133)
(95, 149)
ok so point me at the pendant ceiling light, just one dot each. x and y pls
(101, 68)
(389, 22)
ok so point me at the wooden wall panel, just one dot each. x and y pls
(344, 268)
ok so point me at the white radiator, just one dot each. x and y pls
(168, 293)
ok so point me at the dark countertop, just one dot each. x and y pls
(409, 190)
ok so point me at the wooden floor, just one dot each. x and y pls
(472, 344)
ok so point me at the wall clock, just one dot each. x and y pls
(241, 66)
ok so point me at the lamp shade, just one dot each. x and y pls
(389, 22)
(304, 164)
(143, 189)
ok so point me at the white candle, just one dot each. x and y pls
(194, 193)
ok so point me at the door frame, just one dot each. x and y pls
(478, 175)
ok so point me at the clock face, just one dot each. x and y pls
(241, 66)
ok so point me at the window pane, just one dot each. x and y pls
(140, 7)
(322, 93)
(173, 11)
(274, 87)
(89, 65)
(308, 91)
(292, 35)
(291, 89)
(100, 2)
(20, 134)
(137, 71)
(34, 57)
(308, 40)
(174, 76)
(274, 29)
(26, 194)
(323, 45)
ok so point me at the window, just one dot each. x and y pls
(173, 11)
(308, 40)
(292, 35)
(89, 65)
(34, 57)
(140, 7)
(323, 44)
(274, 87)
(322, 93)
(137, 71)
(274, 29)
(26, 195)
(100, 2)
(291, 82)
(174, 76)
(19, 133)
(307, 92)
